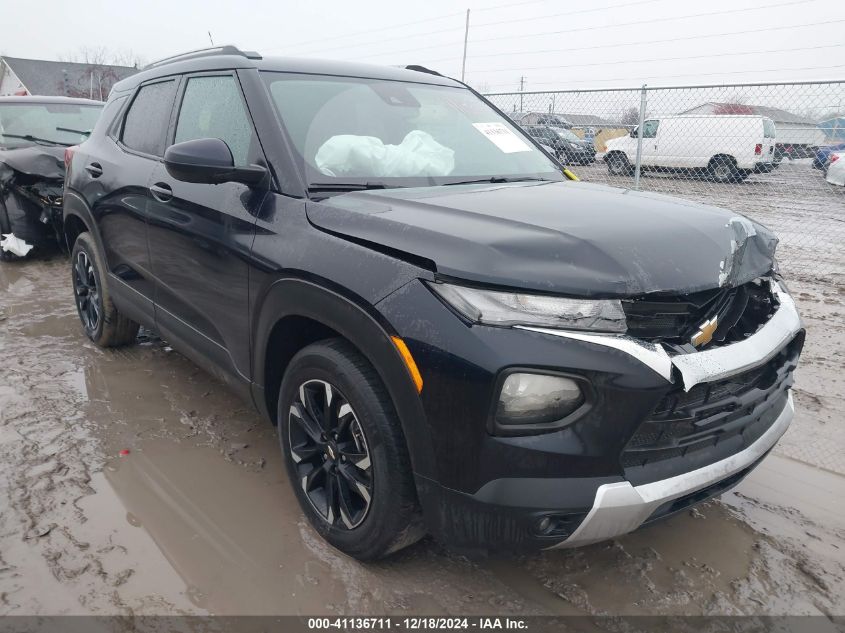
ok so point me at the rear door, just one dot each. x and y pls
(115, 178)
(769, 140)
(200, 235)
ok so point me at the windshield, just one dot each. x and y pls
(45, 123)
(399, 134)
(566, 134)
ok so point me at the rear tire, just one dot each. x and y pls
(100, 319)
(345, 452)
(618, 165)
(723, 169)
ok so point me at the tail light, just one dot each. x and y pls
(69, 151)
(758, 149)
(834, 158)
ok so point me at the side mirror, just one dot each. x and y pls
(209, 161)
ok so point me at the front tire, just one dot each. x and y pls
(345, 452)
(618, 165)
(100, 319)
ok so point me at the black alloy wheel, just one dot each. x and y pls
(331, 454)
(86, 291)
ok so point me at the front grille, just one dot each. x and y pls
(688, 430)
(674, 319)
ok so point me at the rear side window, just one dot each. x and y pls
(213, 108)
(145, 126)
(768, 128)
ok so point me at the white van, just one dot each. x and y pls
(726, 147)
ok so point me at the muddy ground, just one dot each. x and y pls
(199, 518)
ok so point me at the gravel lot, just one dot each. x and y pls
(199, 518)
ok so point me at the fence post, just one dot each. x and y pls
(643, 102)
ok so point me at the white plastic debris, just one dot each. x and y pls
(367, 156)
(14, 245)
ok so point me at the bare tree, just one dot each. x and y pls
(630, 116)
(102, 56)
(96, 81)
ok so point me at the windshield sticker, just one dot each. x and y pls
(503, 137)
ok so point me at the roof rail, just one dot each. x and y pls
(204, 52)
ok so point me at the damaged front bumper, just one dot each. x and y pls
(708, 365)
(31, 188)
(620, 507)
(590, 479)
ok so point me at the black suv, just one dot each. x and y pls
(567, 146)
(451, 336)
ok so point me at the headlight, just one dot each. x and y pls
(509, 308)
(528, 400)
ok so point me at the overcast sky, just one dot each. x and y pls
(553, 44)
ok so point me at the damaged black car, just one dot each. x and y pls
(453, 335)
(34, 133)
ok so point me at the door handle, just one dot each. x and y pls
(161, 192)
(95, 169)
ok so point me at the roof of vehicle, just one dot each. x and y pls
(230, 58)
(66, 100)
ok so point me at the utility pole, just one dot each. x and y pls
(638, 166)
(466, 37)
(521, 88)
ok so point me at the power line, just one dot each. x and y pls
(364, 32)
(509, 5)
(664, 41)
(650, 21)
(654, 78)
(392, 39)
(569, 13)
(661, 59)
(600, 27)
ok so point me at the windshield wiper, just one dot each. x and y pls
(36, 139)
(72, 131)
(348, 186)
(497, 180)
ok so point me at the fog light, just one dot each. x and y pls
(536, 399)
(544, 524)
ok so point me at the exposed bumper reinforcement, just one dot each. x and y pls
(620, 508)
(709, 365)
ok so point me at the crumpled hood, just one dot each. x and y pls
(569, 237)
(45, 162)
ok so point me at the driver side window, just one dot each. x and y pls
(213, 108)
(650, 129)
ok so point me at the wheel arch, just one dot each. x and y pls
(77, 218)
(613, 152)
(716, 157)
(296, 312)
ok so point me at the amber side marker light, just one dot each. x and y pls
(409, 362)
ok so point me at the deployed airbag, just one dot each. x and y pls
(367, 156)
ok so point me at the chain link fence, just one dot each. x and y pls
(760, 149)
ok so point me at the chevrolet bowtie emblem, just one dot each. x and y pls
(705, 332)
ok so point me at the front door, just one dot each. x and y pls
(650, 142)
(200, 235)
